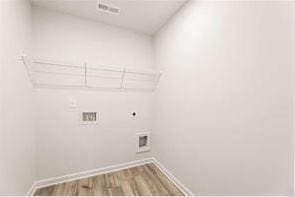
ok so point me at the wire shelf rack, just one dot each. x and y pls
(49, 74)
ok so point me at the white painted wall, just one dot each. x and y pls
(224, 105)
(16, 117)
(63, 145)
(223, 113)
(292, 8)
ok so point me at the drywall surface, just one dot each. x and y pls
(63, 144)
(16, 117)
(224, 104)
(292, 8)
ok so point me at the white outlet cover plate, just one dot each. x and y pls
(73, 103)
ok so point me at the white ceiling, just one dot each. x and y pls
(146, 16)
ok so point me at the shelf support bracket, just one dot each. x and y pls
(85, 74)
(123, 76)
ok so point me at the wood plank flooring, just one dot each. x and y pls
(145, 180)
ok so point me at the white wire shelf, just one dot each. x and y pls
(47, 74)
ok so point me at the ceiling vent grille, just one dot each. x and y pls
(107, 8)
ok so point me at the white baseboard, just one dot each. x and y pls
(108, 169)
(172, 178)
(32, 190)
(85, 174)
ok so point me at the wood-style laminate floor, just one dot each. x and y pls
(145, 180)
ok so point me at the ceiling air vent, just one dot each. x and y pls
(102, 7)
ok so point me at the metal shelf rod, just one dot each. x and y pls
(86, 73)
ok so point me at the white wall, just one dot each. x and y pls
(16, 117)
(292, 8)
(223, 112)
(63, 144)
(224, 105)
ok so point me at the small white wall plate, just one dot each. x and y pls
(143, 142)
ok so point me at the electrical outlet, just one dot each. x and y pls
(73, 102)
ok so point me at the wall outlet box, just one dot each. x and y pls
(89, 118)
(143, 142)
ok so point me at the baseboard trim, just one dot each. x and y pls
(172, 178)
(85, 174)
(32, 189)
(108, 169)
